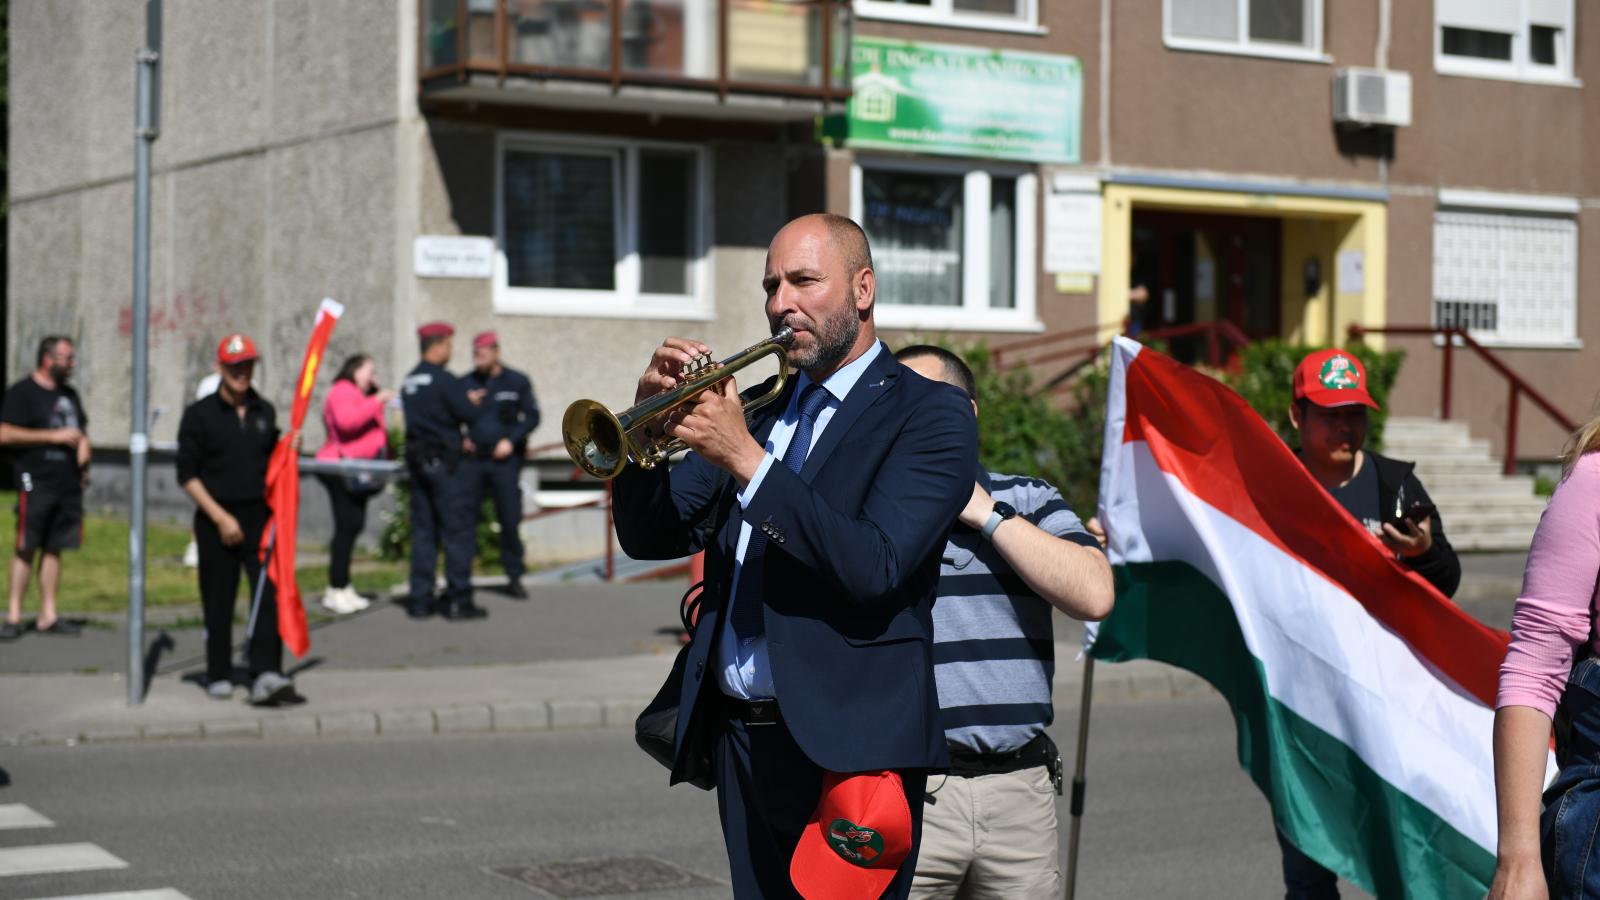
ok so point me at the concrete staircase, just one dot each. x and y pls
(1481, 508)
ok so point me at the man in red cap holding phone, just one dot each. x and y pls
(1330, 407)
(224, 443)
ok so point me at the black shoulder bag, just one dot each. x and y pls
(657, 727)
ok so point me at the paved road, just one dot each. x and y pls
(1170, 814)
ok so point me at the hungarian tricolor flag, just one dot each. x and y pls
(280, 538)
(1363, 697)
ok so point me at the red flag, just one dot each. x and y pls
(278, 541)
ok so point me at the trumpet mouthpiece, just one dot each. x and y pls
(784, 335)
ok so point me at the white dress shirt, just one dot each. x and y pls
(743, 668)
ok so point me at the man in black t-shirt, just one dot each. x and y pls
(1330, 412)
(43, 424)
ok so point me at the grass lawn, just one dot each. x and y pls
(95, 578)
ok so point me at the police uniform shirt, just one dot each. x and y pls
(509, 409)
(227, 453)
(436, 405)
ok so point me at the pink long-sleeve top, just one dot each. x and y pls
(354, 423)
(1556, 612)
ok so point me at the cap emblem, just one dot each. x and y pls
(855, 845)
(1339, 374)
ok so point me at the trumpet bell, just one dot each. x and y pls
(595, 439)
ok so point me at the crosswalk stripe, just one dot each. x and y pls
(18, 815)
(159, 894)
(49, 858)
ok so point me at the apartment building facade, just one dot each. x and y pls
(588, 176)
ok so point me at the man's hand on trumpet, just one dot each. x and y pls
(666, 366)
(714, 427)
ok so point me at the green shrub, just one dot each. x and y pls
(394, 542)
(1025, 429)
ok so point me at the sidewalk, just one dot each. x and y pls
(574, 656)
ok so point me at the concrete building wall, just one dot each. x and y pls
(273, 187)
(1218, 112)
(571, 357)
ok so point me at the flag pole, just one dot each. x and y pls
(1076, 808)
(261, 584)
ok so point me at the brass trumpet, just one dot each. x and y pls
(601, 441)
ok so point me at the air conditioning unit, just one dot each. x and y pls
(1371, 97)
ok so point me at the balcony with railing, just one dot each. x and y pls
(796, 50)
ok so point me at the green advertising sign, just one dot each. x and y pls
(965, 101)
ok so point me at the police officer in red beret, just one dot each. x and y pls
(443, 479)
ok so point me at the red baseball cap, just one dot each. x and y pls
(485, 339)
(1332, 378)
(857, 839)
(236, 348)
(435, 329)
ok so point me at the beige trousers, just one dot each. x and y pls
(993, 836)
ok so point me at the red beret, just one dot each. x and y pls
(435, 330)
(485, 339)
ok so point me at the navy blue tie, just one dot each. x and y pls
(748, 622)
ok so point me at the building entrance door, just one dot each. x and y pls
(1199, 267)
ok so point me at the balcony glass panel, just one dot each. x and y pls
(481, 44)
(779, 42)
(670, 37)
(565, 34)
(774, 44)
(439, 34)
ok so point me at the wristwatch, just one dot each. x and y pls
(1002, 512)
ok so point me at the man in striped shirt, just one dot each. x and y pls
(989, 827)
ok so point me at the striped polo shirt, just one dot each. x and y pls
(993, 644)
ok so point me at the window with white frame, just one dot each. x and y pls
(605, 228)
(1526, 40)
(1287, 28)
(1507, 278)
(996, 14)
(952, 246)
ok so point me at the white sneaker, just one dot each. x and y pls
(333, 601)
(270, 689)
(355, 601)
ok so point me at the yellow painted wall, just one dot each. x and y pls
(1312, 225)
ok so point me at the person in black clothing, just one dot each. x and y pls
(224, 443)
(43, 422)
(499, 436)
(443, 478)
(1330, 412)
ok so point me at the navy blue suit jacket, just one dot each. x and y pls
(851, 567)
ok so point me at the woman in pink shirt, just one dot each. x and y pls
(1550, 848)
(354, 419)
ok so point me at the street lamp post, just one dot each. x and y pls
(147, 112)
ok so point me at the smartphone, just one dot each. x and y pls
(1416, 514)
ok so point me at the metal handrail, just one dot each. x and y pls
(1215, 333)
(1517, 384)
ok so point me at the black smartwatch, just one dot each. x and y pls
(1002, 512)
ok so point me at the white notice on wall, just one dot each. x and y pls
(448, 256)
(1072, 231)
(1352, 272)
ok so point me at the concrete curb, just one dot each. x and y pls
(523, 716)
(481, 718)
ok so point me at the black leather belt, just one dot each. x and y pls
(1038, 752)
(753, 712)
